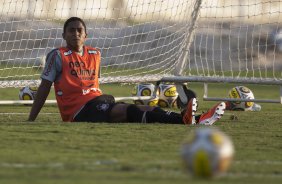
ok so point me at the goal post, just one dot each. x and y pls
(149, 40)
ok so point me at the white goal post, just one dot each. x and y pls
(149, 40)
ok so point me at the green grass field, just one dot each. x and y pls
(50, 151)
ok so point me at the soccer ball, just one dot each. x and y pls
(27, 93)
(241, 92)
(145, 89)
(207, 152)
(167, 95)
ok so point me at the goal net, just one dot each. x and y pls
(237, 40)
(146, 40)
(139, 40)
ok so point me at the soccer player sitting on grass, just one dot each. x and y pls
(74, 70)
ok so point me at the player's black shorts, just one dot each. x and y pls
(96, 110)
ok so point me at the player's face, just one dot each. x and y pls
(75, 35)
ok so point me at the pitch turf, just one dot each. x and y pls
(49, 151)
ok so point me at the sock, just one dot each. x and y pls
(161, 117)
(160, 110)
(134, 114)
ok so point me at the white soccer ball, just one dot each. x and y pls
(207, 152)
(167, 95)
(145, 89)
(27, 93)
(241, 92)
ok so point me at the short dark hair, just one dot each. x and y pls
(74, 19)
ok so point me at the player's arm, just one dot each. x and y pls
(51, 71)
(41, 96)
